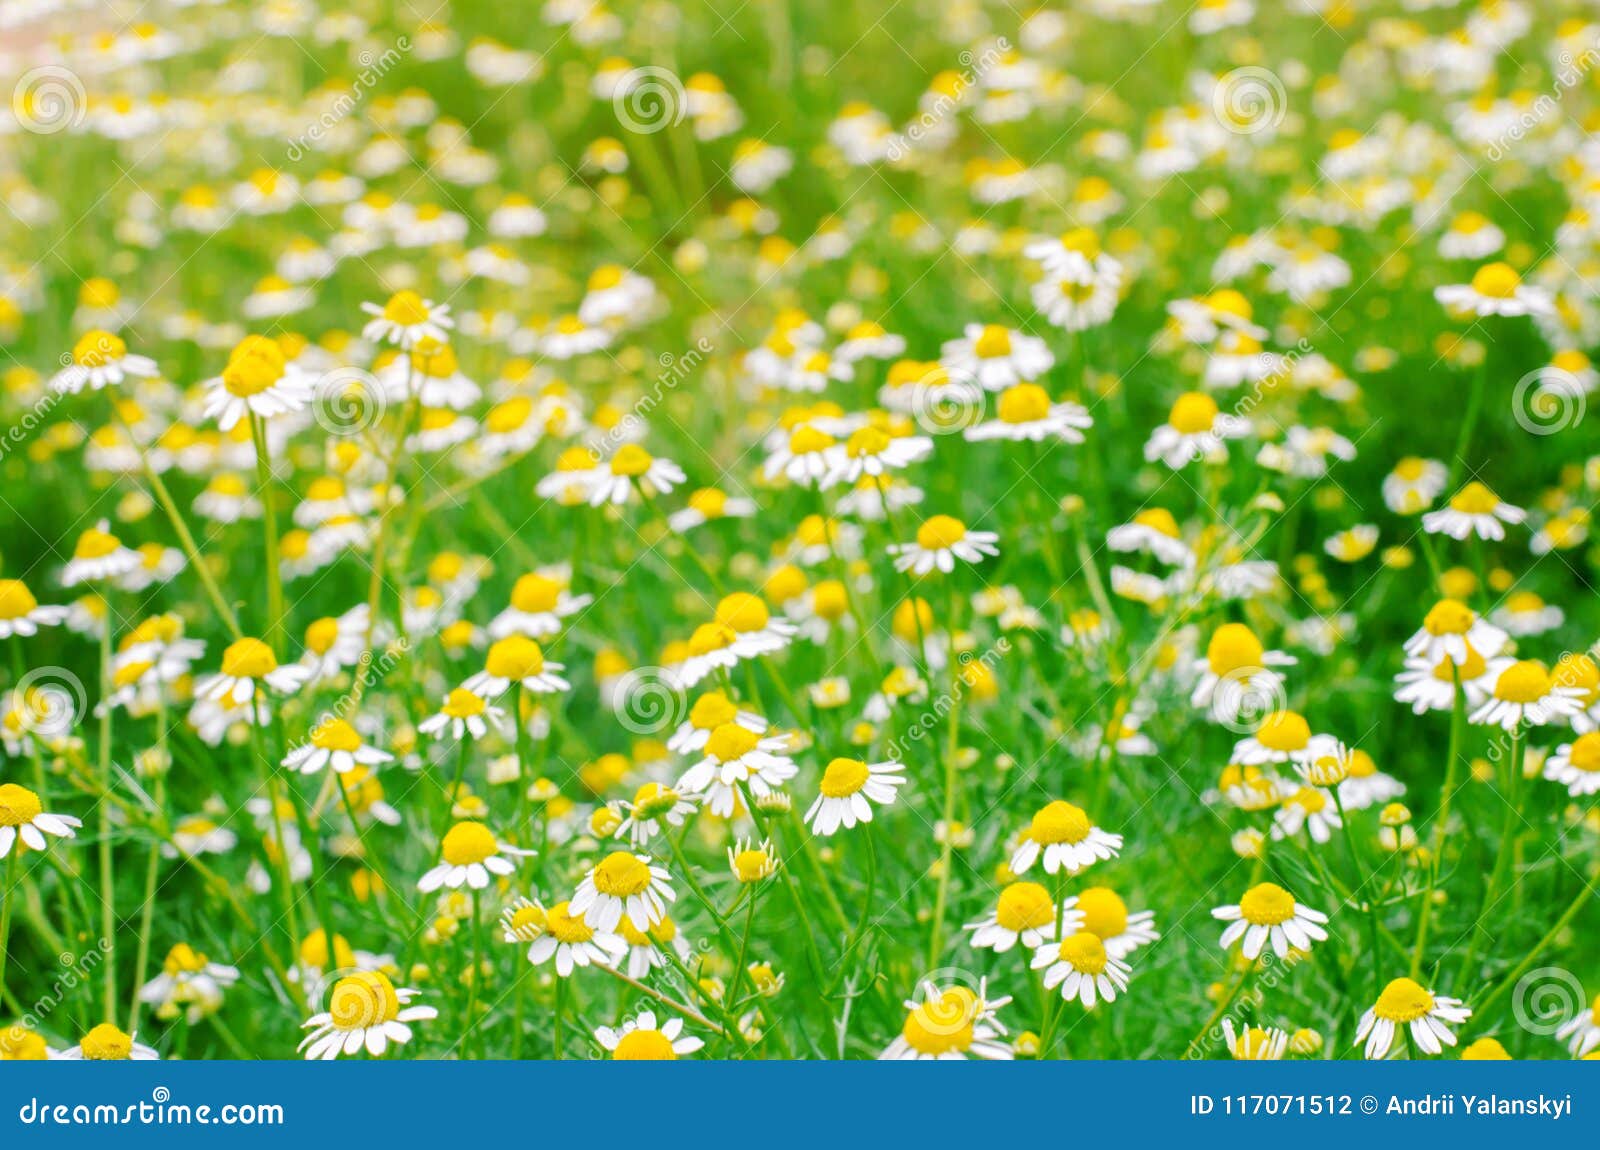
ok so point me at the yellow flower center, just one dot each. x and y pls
(105, 1043)
(710, 637)
(731, 741)
(1284, 731)
(98, 348)
(184, 959)
(248, 659)
(1526, 681)
(1104, 913)
(507, 417)
(993, 343)
(434, 359)
(942, 1025)
(621, 874)
(711, 710)
(1585, 753)
(844, 777)
(1024, 403)
(1403, 1001)
(867, 441)
(463, 704)
(1475, 499)
(1084, 952)
(335, 735)
(1449, 617)
(644, 1046)
(321, 635)
(709, 501)
(15, 599)
(1193, 413)
(1060, 822)
(255, 365)
(534, 593)
(940, 532)
(1266, 904)
(467, 843)
(1025, 906)
(1234, 647)
(743, 612)
(1473, 666)
(807, 440)
(563, 927)
(631, 461)
(405, 308)
(752, 864)
(515, 657)
(95, 544)
(18, 805)
(1496, 280)
(366, 998)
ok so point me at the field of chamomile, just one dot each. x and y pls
(799, 529)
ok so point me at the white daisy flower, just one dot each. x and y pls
(334, 742)
(517, 659)
(623, 883)
(570, 942)
(638, 1039)
(469, 854)
(24, 821)
(1025, 913)
(1269, 915)
(365, 1011)
(737, 758)
(848, 791)
(1081, 966)
(995, 357)
(940, 542)
(1473, 510)
(407, 319)
(1406, 1003)
(1063, 835)
(101, 359)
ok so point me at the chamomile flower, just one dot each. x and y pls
(570, 942)
(258, 380)
(1237, 673)
(1062, 835)
(1452, 630)
(996, 357)
(1524, 691)
(518, 660)
(189, 984)
(951, 1024)
(469, 855)
(1282, 736)
(539, 603)
(632, 467)
(1496, 289)
(1152, 531)
(941, 541)
(638, 1039)
(1195, 429)
(1026, 413)
(623, 883)
(1082, 967)
(1025, 913)
(871, 451)
(101, 359)
(708, 505)
(1269, 915)
(1524, 614)
(752, 862)
(365, 1011)
(1582, 1030)
(849, 789)
(1101, 911)
(1414, 484)
(336, 642)
(99, 556)
(25, 822)
(247, 664)
(1254, 1043)
(708, 712)
(406, 320)
(465, 713)
(735, 759)
(1406, 1003)
(1474, 510)
(654, 807)
(334, 742)
(106, 1043)
(1310, 809)
(21, 614)
(1576, 765)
